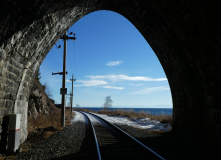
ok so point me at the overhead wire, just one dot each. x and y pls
(48, 72)
(72, 58)
(72, 61)
(75, 66)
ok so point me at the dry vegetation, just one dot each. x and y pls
(44, 127)
(41, 128)
(43, 121)
(131, 114)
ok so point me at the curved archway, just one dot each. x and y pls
(112, 58)
(184, 35)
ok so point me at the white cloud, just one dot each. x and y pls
(91, 83)
(110, 87)
(115, 78)
(151, 90)
(67, 80)
(114, 63)
(136, 85)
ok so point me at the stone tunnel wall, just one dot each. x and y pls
(21, 56)
(185, 35)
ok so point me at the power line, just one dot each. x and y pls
(72, 80)
(75, 66)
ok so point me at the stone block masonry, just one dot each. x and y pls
(22, 54)
(185, 35)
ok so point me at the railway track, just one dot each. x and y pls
(108, 142)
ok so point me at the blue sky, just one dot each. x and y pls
(109, 57)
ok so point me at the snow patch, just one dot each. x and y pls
(93, 119)
(78, 117)
(144, 123)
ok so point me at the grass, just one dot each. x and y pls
(8, 158)
(43, 127)
(46, 124)
(43, 122)
(131, 114)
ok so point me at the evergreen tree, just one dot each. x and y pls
(38, 75)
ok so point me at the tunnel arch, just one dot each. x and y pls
(185, 36)
(124, 44)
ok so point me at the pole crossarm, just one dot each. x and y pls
(63, 90)
(60, 73)
(72, 80)
(66, 37)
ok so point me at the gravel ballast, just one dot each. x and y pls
(65, 142)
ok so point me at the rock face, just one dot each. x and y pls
(39, 103)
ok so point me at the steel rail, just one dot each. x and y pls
(95, 137)
(157, 156)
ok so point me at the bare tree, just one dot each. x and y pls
(108, 102)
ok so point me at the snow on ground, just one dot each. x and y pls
(78, 117)
(144, 123)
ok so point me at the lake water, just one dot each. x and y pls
(153, 111)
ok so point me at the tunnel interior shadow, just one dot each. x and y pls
(176, 147)
(4, 135)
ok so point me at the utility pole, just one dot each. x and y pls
(63, 82)
(63, 90)
(72, 80)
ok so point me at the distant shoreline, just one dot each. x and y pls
(153, 111)
(123, 107)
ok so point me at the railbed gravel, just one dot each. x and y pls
(65, 142)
